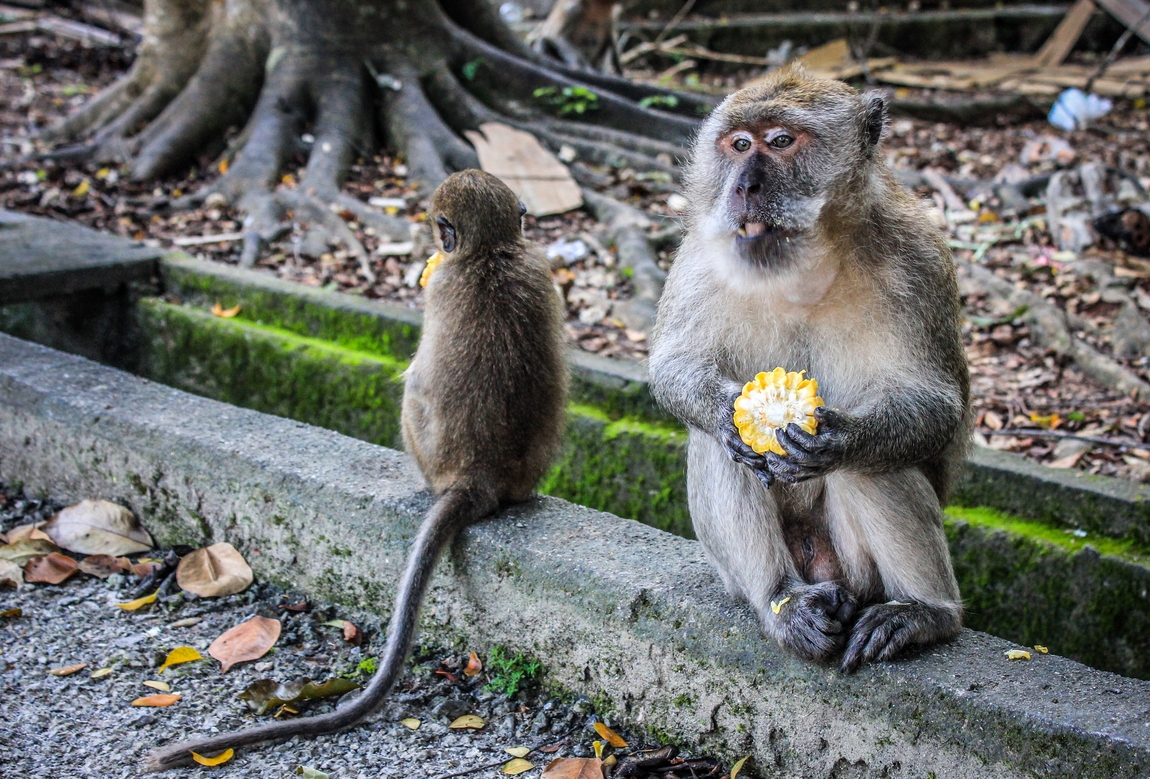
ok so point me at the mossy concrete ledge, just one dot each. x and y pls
(617, 610)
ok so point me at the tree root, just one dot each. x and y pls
(1050, 328)
(626, 227)
(1130, 332)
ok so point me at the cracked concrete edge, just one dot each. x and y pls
(627, 614)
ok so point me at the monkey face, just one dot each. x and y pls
(773, 159)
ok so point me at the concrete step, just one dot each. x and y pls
(622, 612)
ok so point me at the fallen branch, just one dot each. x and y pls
(1049, 325)
(1026, 433)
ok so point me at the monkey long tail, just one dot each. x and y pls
(458, 506)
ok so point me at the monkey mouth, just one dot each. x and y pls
(749, 231)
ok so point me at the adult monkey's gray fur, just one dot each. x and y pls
(803, 251)
(483, 411)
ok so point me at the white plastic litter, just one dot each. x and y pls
(568, 251)
(1075, 110)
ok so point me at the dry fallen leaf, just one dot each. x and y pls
(574, 768)
(100, 673)
(187, 622)
(351, 633)
(49, 569)
(1041, 649)
(161, 686)
(226, 313)
(68, 670)
(613, 738)
(215, 571)
(181, 654)
(31, 531)
(11, 574)
(144, 568)
(518, 751)
(98, 527)
(101, 565)
(597, 746)
(517, 766)
(7, 613)
(25, 549)
(265, 694)
(138, 603)
(249, 640)
(410, 723)
(1017, 654)
(739, 767)
(219, 759)
(467, 721)
(474, 665)
(166, 699)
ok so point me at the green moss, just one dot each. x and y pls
(508, 674)
(984, 516)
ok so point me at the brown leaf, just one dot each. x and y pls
(143, 569)
(11, 575)
(31, 531)
(98, 527)
(10, 613)
(50, 569)
(474, 665)
(68, 670)
(101, 565)
(351, 633)
(214, 572)
(249, 640)
(265, 694)
(574, 768)
(25, 549)
(165, 699)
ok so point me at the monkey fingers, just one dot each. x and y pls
(744, 455)
(811, 618)
(886, 629)
(808, 455)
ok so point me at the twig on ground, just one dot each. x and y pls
(1026, 432)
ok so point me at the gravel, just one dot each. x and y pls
(77, 726)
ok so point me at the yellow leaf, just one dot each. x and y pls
(391, 210)
(474, 665)
(226, 313)
(517, 766)
(1040, 648)
(139, 603)
(223, 166)
(157, 700)
(161, 686)
(613, 738)
(11, 613)
(467, 721)
(598, 747)
(68, 670)
(610, 761)
(177, 192)
(219, 759)
(181, 654)
(518, 751)
(1017, 654)
(100, 673)
(739, 766)
(82, 189)
(1046, 421)
(102, 173)
(288, 179)
(411, 723)
(777, 606)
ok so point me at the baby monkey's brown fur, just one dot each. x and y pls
(483, 411)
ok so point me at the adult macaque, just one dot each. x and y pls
(803, 251)
(483, 411)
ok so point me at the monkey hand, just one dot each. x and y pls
(809, 455)
(811, 620)
(732, 441)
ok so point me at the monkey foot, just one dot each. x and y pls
(886, 629)
(810, 619)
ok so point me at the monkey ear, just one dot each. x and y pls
(874, 121)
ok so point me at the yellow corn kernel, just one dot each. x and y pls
(774, 400)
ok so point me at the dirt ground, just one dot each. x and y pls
(1024, 395)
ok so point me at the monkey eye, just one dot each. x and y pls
(782, 141)
(741, 144)
(446, 234)
(522, 209)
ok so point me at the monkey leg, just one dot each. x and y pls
(739, 523)
(888, 532)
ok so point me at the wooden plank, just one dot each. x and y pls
(1135, 14)
(1069, 30)
(536, 175)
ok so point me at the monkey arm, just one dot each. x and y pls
(905, 426)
